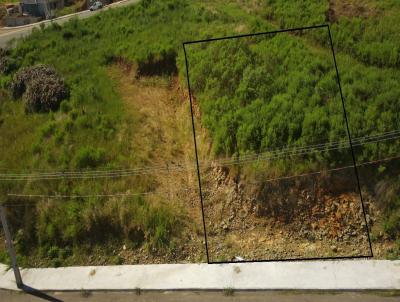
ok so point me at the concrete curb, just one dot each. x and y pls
(313, 275)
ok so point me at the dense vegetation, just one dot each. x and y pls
(90, 130)
(277, 93)
(297, 104)
(281, 92)
(368, 31)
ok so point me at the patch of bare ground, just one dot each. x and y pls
(241, 28)
(251, 6)
(163, 139)
(298, 221)
(350, 9)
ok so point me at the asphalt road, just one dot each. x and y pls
(196, 296)
(7, 34)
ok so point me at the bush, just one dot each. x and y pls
(392, 225)
(392, 220)
(3, 12)
(89, 157)
(68, 34)
(47, 130)
(7, 64)
(53, 251)
(117, 260)
(41, 87)
(65, 107)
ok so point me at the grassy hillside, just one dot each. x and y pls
(93, 129)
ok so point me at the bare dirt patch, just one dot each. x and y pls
(163, 140)
(350, 9)
(289, 221)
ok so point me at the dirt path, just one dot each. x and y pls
(165, 139)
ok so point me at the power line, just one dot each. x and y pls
(181, 168)
(323, 145)
(187, 188)
(325, 171)
(284, 150)
(266, 157)
(99, 195)
(165, 167)
(273, 154)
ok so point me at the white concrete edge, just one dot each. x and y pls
(308, 275)
(12, 28)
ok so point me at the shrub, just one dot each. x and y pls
(3, 12)
(7, 64)
(55, 26)
(41, 86)
(89, 157)
(65, 107)
(59, 136)
(65, 252)
(117, 260)
(392, 224)
(68, 126)
(68, 35)
(47, 129)
(53, 251)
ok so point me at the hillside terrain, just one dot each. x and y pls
(109, 176)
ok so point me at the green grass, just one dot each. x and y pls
(69, 9)
(228, 292)
(2, 2)
(89, 130)
(93, 129)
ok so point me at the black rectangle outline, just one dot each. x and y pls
(348, 134)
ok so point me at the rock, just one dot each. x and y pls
(224, 226)
(334, 248)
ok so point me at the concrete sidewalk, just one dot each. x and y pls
(316, 275)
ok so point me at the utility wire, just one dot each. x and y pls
(285, 149)
(100, 195)
(185, 188)
(273, 154)
(325, 171)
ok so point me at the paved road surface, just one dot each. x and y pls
(7, 34)
(193, 296)
(259, 296)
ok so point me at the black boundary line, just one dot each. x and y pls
(255, 34)
(197, 157)
(351, 144)
(294, 259)
(348, 133)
